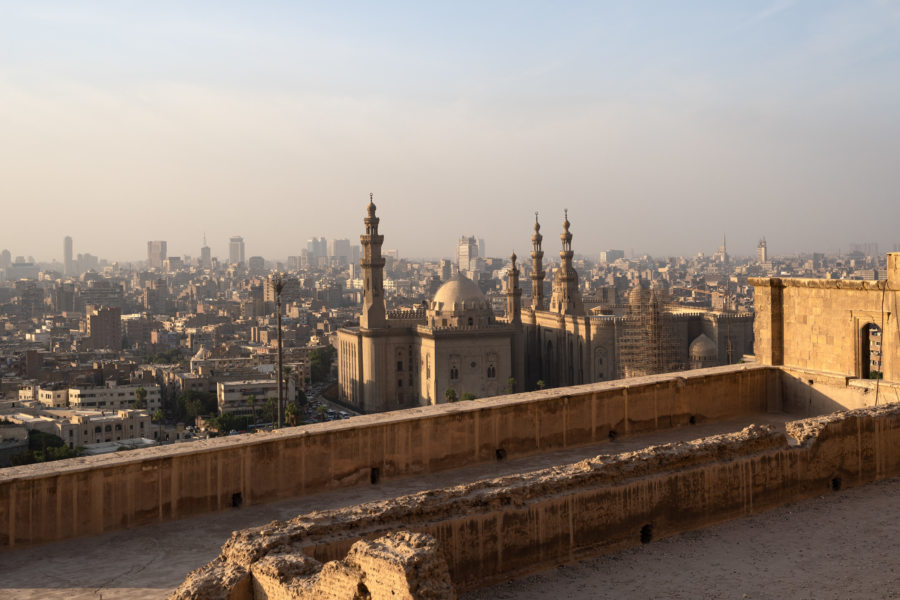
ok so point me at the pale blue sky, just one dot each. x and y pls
(660, 125)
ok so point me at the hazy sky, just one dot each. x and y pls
(660, 125)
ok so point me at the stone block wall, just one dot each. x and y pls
(818, 324)
(90, 495)
(495, 529)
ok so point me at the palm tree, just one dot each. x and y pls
(251, 400)
(158, 417)
(292, 412)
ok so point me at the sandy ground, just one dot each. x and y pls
(843, 543)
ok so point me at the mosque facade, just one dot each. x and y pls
(456, 348)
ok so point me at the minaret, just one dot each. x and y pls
(513, 293)
(566, 298)
(372, 263)
(537, 268)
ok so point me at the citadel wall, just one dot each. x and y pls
(819, 324)
(491, 530)
(90, 495)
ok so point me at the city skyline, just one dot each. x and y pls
(658, 126)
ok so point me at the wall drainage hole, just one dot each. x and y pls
(236, 500)
(836, 484)
(501, 453)
(613, 435)
(647, 533)
(374, 475)
(692, 420)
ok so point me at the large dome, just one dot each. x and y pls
(458, 293)
(459, 303)
(703, 348)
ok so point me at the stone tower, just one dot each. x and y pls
(537, 268)
(372, 263)
(566, 298)
(513, 293)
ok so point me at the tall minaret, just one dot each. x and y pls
(566, 298)
(372, 263)
(513, 293)
(537, 268)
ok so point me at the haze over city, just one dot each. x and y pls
(660, 126)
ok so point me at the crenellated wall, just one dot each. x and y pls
(85, 496)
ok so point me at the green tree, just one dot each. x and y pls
(44, 447)
(540, 384)
(320, 361)
(269, 411)
(321, 412)
(510, 385)
(140, 398)
(450, 395)
(468, 396)
(293, 414)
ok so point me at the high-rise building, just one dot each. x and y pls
(68, 264)
(466, 252)
(104, 328)
(762, 255)
(317, 248)
(156, 254)
(340, 251)
(236, 250)
(205, 256)
(256, 264)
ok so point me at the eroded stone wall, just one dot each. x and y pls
(494, 529)
(91, 495)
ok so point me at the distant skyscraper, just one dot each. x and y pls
(68, 265)
(156, 254)
(340, 250)
(236, 250)
(466, 252)
(762, 254)
(317, 248)
(205, 256)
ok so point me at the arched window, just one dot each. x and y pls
(427, 366)
(471, 322)
(454, 372)
(870, 352)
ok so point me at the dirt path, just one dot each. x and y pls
(845, 545)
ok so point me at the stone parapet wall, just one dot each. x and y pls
(86, 496)
(495, 529)
(819, 324)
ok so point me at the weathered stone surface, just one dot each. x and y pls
(398, 566)
(508, 526)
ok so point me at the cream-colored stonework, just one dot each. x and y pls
(819, 324)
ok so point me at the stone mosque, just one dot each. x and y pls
(456, 348)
